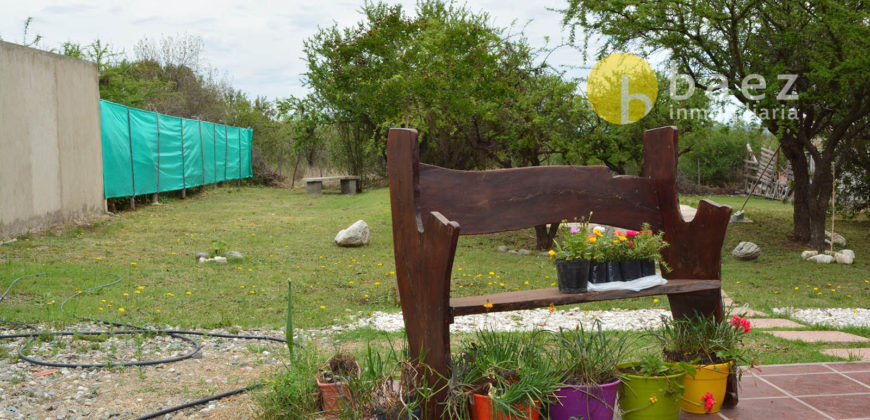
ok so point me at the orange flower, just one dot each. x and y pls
(487, 305)
(552, 308)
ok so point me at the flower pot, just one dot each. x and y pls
(598, 273)
(585, 402)
(573, 275)
(481, 409)
(333, 395)
(647, 268)
(630, 270)
(650, 398)
(708, 378)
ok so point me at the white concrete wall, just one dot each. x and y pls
(51, 168)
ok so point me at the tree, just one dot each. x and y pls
(724, 44)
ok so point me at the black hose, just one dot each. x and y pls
(198, 402)
(133, 329)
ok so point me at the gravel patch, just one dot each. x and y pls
(29, 391)
(830, 317)
(621, 320)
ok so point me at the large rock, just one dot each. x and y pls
(821, 259)
(846, 256)
(355, 235)
(746, 251)
(235, 256)
(839, 240)
(807, 254)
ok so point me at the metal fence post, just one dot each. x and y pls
(201, 151)
(240, 156)
(132, 172)
(183, 176)
(154, 196)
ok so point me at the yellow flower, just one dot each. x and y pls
(125, 294)
(100, 308)
(653, 399)
(366, 296)
(242, 286)
(815, 288)
(138, 292)
(491, 273)
(172, 253)
(141, 288)
(655, 301)
(377, 283)
(797, 288)
(592, 239)
(623, 238)
(350, 282)
(120, 309)
(49, 303)
(253, 292)
(103, 300)
(855, 311)
(99, 258)
(526, 282)
(158, 310)
(487, 305)
(552, 253)
(615, 241)
(460, 268)
(322, 307)
(552, 308)
(598, 231)
(170, 294)
(187, 292)
(133, 264)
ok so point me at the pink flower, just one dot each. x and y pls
(575, 229)
(745, 324)
(630, 243)
(708, 401)
(631, 233)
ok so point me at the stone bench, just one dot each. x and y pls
(349, 184)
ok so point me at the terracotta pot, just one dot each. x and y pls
(481, 409)
(334, 395)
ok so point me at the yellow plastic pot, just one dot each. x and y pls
(708, 378)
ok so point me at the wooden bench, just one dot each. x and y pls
(432, 206)
(349, 184)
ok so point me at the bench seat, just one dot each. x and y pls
(540, 298)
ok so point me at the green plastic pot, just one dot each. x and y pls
(650, 398)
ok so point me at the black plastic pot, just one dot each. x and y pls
(631, 270)
(647, 267)
(598, 273)
(572, 275)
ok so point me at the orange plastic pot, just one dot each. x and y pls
(481, 409)
(333, 395)
(708, 378)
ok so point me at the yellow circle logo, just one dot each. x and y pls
(622, 88)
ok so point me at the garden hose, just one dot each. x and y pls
(132, 329)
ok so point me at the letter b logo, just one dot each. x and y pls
(622, 88)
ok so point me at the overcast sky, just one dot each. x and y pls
(257, 45)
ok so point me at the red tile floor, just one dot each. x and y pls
(801, 391)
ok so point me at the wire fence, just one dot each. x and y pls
(146, 152)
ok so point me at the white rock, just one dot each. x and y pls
(221, 260)
(821, 259)
(839, 240)
(848, 252)
(746, 251)
(807, 254)
(356, 234)
(845, 257)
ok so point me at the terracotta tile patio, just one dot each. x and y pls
(801, 391)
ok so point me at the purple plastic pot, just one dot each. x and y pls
(585, 402)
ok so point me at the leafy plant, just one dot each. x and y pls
(703, 339)
(219, 248)
(590, 357)
(512, 369)
(578, 242)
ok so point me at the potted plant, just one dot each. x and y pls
(593, 256)
(589, 362)
(332, 381)
(652, 389)
(501, 376)
(715, 347)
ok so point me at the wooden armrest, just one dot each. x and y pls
(540, 298)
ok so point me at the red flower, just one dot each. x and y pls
(631, 233)
(738, 322)
(708, 401)
(630, 243)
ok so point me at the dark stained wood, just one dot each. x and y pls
(424, 250)
(429, 204)
(525, 197)
(540, 298)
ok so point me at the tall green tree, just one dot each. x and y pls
(753, 43)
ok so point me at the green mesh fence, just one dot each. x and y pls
(145, 152)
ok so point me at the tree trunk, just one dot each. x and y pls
(799, 166)
(820, 196)
(545, 237)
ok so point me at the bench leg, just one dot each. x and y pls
(348, 186)
(314, 187)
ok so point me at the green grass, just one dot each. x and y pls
(288, 235)
(770, 281)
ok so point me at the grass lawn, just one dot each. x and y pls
(288, 235)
